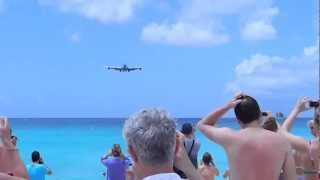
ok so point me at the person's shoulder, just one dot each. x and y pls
(36, 167)
(229, 130)
(187, 140)
(235, 133)
(40, 166)
(201, 167)
(279, 140)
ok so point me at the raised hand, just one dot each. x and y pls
(301, 105)
(181, 156)
(5, 133)
(235, 100)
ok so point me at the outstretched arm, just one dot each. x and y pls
(182, 160)
(297, 142)
(221, 136)
(300, 107)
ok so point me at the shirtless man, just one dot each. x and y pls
(253, 153)
(309, 149)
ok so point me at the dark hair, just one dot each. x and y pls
(116, 150)
(207, 159)
(247, 110)
(186, 129)
(35, 156)
(271, 124)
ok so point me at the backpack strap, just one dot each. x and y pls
(193, 141)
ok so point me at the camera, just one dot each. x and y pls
(264, 114)
(314, 104)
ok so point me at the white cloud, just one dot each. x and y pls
(183, 34)
(104, 11)
(311, 51)
(266, 75)
(260, 26)
(198, 22)
(75, 37)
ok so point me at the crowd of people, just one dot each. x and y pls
(263, 149)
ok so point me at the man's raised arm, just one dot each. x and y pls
(221, 136)
(297, 142)
(182, 160)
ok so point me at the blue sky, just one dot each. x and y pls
(196, 54)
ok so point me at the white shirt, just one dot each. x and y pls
(164, 176)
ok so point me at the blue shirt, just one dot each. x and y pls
(37, 171)
(117, 168)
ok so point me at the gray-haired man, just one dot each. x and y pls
(155, 146)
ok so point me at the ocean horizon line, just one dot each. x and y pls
(113, 117)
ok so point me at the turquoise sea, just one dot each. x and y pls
(72, 147)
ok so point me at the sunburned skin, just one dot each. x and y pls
(253, 152)
(310, 150)
(13, 168)
(208, 172)
(311, 167)
(259, 152)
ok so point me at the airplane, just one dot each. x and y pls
(124, 68)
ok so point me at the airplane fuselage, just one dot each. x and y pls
(124, 68)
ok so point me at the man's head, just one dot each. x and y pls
(116, 150)
(187, 129)
(247, 110)
(207, 159)
(14, 140)
(151, 137)
(271, 124)
(35, 156)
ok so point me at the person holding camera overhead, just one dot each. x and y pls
(310, 149)
(116, 163)
(38, 170)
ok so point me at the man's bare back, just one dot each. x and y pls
(257, 154)
(254, 153)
